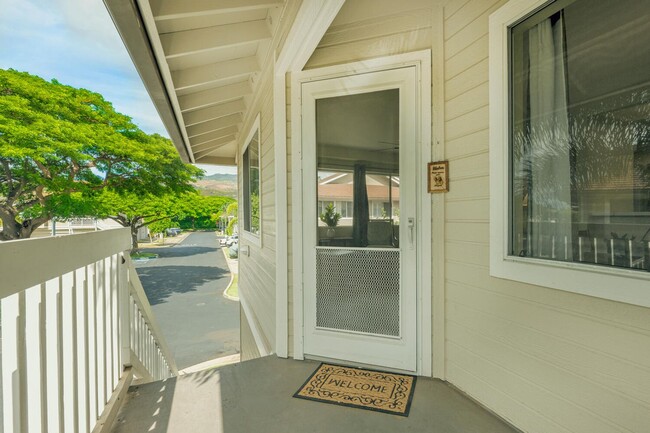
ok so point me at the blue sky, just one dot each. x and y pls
(76, 42)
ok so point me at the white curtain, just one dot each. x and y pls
(550, 190)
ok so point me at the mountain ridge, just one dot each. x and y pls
(218, 184)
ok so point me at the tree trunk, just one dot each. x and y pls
(134, 237)
(13, 229)
(10, 231)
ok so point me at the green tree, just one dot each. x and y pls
(136, 210)
(60, 146)
(199, 211)
(156, 212)
(231, 214)
(230, 228)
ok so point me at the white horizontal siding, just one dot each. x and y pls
(388, 32)
(257, 270)
(257, 273)
(545, 360)
(248, 347)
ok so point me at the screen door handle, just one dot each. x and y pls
(411, 225)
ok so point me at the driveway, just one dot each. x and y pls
(185, 286)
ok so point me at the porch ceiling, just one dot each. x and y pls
(200, 60)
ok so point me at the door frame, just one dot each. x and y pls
(421, 60)
(399, 351)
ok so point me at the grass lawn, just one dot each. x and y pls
(233, 289)
(143, 256)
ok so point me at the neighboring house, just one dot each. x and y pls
(78, 225)
(337, 189)
(83, 225)
(517, 285)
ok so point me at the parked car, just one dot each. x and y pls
(233, 251)
(222, 241)
(174, 231)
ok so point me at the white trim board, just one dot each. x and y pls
(281, 213)
(311, 23)
(437, 201)
(422, 61)
(255, 239)
(252, 324)
(296, 214)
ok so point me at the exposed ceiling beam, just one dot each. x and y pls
(214, 96)
(211, 150)
(210, 20)
(192, 77)
(214, 112)
(200, 40)
(213, 144)
(213, 125)
(219, 133)
(172, 9)
(216, 160)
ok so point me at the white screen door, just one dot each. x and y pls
(359, 212)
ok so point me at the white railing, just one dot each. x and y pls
(76, 328)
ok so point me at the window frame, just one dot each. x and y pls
(248, 236)
(622, 285)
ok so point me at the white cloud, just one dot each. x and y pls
(75, 42)
(29, 12)
(90, 21)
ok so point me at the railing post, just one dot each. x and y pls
(125, 310)
(68, 328)
(14, 368)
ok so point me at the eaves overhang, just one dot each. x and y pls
(199, 60)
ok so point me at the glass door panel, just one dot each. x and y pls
(357, 157)
(358, 178)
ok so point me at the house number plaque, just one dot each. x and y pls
(438, 176)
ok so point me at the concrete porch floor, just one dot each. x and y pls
(256, 396)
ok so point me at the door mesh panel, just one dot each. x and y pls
(358, 290)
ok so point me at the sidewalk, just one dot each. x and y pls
(233, 266)
(168, 241)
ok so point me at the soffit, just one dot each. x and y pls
(208, 54)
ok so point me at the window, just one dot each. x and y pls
(251, 182)
(570, 139)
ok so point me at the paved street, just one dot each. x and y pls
(185, 286)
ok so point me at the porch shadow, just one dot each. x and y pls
(160, 282)
(256, 396)
(179, 251)
(155, 400)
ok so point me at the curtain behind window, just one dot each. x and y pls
(548, 144)
(360, 212)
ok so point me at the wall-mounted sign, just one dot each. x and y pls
(438, 176)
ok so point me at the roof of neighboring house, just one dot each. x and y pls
(636, 179)
(344, 192)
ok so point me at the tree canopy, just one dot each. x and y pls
(60, 145)
(158, 212)
(203, 212)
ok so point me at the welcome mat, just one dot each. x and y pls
(355, 387)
